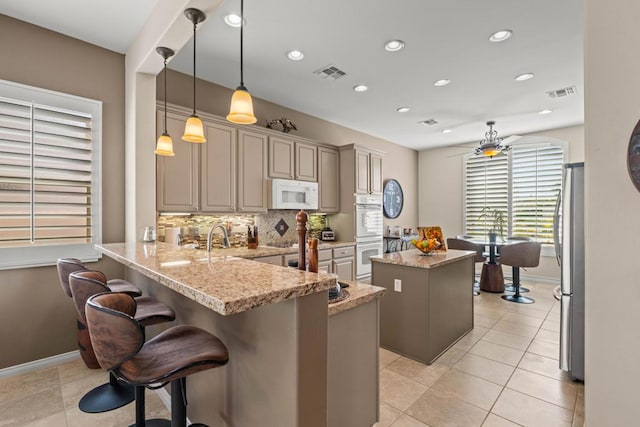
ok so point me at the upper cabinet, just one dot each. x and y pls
(291, 159)
(361, 169)
(177, 184)
(328, 180)
(252, 172)
(218, 169)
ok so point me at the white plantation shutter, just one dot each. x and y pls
(537, 178)
(486, 185)
(49, 176)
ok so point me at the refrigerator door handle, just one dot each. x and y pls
(556, 228)
(565, 327)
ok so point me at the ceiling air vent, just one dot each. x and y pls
(429, 122)
(330, 72)
(559, 93)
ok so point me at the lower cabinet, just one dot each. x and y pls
(340, 261)
(344, 262)
(273, 259)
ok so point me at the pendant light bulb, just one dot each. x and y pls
(164, 146)
(194, 129)
(241, 108)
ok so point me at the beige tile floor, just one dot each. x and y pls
(503, 373)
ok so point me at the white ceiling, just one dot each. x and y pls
(444, 39)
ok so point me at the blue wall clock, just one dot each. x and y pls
(392, 199)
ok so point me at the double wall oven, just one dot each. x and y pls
(368, 231)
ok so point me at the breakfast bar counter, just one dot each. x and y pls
(428, 305)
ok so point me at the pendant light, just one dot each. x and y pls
(241, 110)
(164, 146)
(194, 130)
(491, 145)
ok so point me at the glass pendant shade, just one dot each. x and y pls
(241, 110)
(490, 152)
(164, 146)
(194, 130)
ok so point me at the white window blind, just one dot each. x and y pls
(523, 184)
(49, 176)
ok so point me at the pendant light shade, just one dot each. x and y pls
(241, 109)
(164, 146)
(194, 130)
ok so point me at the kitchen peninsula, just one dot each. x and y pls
(274, 321)
(428, 305)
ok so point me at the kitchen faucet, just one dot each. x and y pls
(225, 237)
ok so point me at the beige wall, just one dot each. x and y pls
(612, 109)
(441, 189)
(399, 162)
(36, 318)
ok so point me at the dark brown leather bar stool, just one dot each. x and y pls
(112, 395)
(119, 342)
(465, 245)
(524, 254)
(508, 287)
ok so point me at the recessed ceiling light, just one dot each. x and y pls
(500, 36)
(543, 112)
(232, 20)
(295, 55)
(403, 109)
(360, 88)
(394, 45)
(523, 77)
(447, 131)
(441, 82)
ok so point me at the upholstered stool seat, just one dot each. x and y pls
(508, 287)
(84, 284)
(466, 245)
(66, 266)
(119, 342)
(523, 254)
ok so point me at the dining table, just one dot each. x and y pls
(491, 277)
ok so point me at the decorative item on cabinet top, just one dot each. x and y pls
(287, 125)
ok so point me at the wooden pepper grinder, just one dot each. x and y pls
(313, 255)
(301, 228)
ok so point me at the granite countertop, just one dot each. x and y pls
(359, 293)
(414, 258)
(261, 251)
(220, 280)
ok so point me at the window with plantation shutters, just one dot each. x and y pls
(49, 176)
(522, 183)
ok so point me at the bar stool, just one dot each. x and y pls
(524, 254)
(510, 287)
(112, 395)
(119, 342)
(466, 245)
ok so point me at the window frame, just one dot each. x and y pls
(27, 256)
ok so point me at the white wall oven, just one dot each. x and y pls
(364, 250)
(368, 231)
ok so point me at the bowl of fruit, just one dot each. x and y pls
(426, 246)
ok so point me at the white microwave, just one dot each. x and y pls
(290, 194)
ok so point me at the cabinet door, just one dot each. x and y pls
(252, 172)
(324, 267)
(362, 172)
(328, 180)
(177, 177)
(306, 162)
(273, 259)
(344, 267)
(375, 180)
(218, 173)
(281, 160)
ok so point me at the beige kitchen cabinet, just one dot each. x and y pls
(218, 169)
(344, 262)
(375, 173)
(178, 177)
(252, 172)
(272, 259)
(328, 180)
(360, 169)
(289, 159)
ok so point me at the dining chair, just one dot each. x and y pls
(508, 287)
(522, 254)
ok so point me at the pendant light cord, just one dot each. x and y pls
(241, 43)
(194, 68)
(165, 95)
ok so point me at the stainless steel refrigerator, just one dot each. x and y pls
(569, 243)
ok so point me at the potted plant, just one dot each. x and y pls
(498, 221)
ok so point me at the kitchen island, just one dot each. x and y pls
(273, 320)
(428, 305)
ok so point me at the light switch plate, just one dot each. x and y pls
(397, 285)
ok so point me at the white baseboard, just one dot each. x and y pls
(39, 364)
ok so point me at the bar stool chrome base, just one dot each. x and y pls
(518, 299)
(107, 397)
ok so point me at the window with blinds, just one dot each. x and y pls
(48, 176)
(522, 183)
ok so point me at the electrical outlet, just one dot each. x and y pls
(397, 285)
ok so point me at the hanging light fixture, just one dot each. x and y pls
(164, 146)
(241, 110)
(491, 145)
(194, 130)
